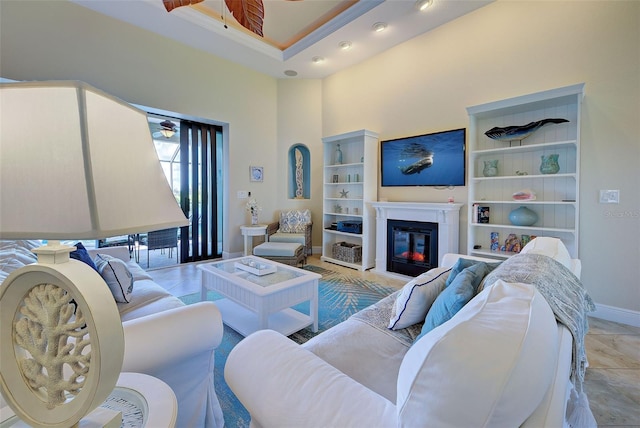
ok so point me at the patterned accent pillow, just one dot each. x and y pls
(117, 276)
(294, 221)
(416, 298)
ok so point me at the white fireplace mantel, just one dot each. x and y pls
(446, 215)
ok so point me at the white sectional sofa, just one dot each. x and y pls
(163, 337)
(502, 360)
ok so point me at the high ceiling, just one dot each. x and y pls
(295, 32)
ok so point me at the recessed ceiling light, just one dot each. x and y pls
(345, 45)
(423, 4)
(379, 26)
(291, 73)
(317, 59)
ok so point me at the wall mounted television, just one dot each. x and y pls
(436, 159)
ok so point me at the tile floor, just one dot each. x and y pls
(612, 380)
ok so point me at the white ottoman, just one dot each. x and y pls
(290, 253)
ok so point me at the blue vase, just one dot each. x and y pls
(523, 216)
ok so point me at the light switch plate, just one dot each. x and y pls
(609, 196)
(243, 194)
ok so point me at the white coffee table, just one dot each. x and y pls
(258, 302)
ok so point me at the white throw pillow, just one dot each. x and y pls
(490, 365)
(551, 247)
(117, 276)
(417, 296)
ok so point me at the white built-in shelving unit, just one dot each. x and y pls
(557, 195)
(348, 189)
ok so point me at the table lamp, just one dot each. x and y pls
(75, 163)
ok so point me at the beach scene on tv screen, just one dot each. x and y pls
(424, 160)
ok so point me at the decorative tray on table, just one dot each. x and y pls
(256, 268)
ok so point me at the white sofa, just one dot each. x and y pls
(163, 337)
(502, 360)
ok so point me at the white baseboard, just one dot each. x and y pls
(612, 313)
(228, 255)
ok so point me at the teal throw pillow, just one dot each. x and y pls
(463, 263)
(454, 297)
(460, 265)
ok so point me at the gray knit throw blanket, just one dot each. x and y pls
(564, 293)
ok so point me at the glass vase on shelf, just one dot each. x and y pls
(490, 168)
(338, 159)
(549, 164)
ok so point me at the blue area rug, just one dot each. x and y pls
(339, 297)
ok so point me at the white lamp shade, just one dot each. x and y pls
(77, 163)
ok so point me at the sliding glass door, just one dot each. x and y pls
(200, 160)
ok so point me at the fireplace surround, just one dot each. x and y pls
(412, 246)
(444, 215)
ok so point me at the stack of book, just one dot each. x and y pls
(480, 214)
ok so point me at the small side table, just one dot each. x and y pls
(249, 232)
(144, 401)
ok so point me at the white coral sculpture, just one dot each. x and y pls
(54, 336)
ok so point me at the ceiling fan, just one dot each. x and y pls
(167, 129)
(248, 13)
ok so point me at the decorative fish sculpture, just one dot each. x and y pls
(519, 133)
(418, 166)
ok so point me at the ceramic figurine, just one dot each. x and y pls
(519, 133)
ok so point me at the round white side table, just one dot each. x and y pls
(249, 232)
(144, 401)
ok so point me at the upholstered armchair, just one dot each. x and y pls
(293, 226)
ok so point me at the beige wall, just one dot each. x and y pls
(43, 40)
(506, 49)
(512, 48)
(299, 122)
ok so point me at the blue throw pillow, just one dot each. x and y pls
(454, 297)
(463, 263)
(82, 254)
(460, 265)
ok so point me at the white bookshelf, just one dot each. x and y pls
(357, 179)
(557, 195)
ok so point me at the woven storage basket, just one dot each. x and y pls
(351, 253)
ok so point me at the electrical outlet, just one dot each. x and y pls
(609, 196)
(243, 194)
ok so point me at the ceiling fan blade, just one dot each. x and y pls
(249, 13)
(172, 4)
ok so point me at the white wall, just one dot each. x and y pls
(512, 48)
(44, 40)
